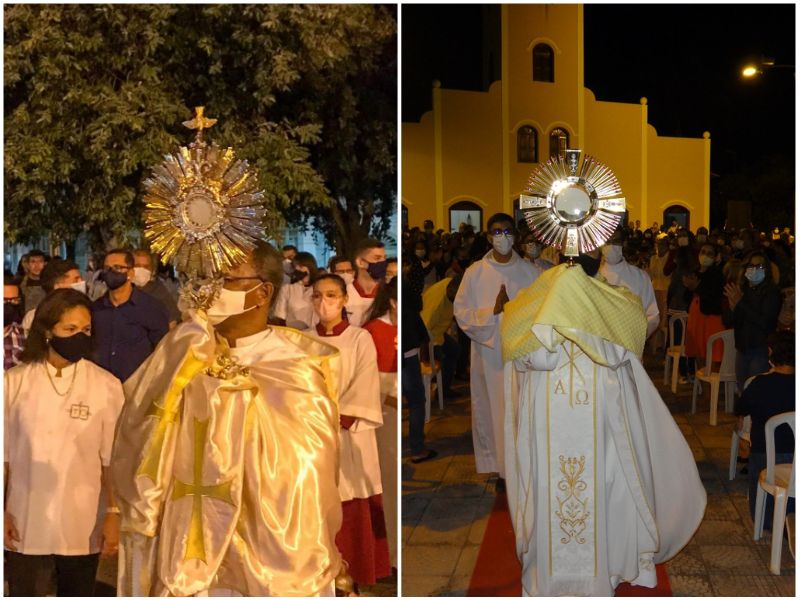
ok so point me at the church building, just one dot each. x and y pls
(471, 155)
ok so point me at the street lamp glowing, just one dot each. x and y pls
(749, 71)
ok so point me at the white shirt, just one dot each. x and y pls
(357, 306)
(56, 447)
(360, 397)
(637, 281)
(27, 320)
(295, 307)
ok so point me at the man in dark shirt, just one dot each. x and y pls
(770, 394)
(127, 323)
(31, 286)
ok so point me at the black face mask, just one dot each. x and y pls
(297, 276)
(12, 313)
(377, 270)
(113, 279)
(74, 347)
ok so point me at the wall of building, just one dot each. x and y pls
(679, 173)
(417, 177)
(614, 136)
(542, 104)
(471, 158)
(457, 152)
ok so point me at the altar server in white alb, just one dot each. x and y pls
(362, 538)
(293, 306)
(601, 483)
(478, 308)
(617, 271)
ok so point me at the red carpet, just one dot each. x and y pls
(497, 571)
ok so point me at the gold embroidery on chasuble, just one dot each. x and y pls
(573, 509)
(195, 544)
(571, 463)
(167, 414)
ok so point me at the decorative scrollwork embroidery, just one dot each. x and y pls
(573, 510)
(225, 367)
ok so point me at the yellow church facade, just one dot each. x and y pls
(471, 155)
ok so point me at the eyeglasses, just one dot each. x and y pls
(228, 279)
(506, 231)
(118, 268)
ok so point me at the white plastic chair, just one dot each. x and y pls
(726, 374)
(432, 370)
(675, 351)
(739, 434)
(778, 481)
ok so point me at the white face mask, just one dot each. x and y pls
(706, 260)
(533, 250)
(79, 287)
(348, 277)
(229, 303)
(330, 309)
(420, 253)
(502, 243)
(141, 276)
(612, 254)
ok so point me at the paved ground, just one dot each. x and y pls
(107, 577)
(446, 505)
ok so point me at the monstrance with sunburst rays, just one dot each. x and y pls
(203, 209)
(573, 205)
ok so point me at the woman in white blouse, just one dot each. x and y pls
(60, 414)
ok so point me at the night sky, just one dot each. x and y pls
(685, 59)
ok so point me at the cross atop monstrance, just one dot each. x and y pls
(199, 122)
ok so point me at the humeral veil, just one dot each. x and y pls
(224, 470)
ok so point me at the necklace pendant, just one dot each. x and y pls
(79, 411)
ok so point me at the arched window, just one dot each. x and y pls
(543, 63)
(466, 212)
(678, 213)
(527, 145)
(559, 142)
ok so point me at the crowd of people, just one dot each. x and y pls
(72, 339)
(455, 285)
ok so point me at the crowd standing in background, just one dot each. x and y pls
(64, 329)
(458, 281)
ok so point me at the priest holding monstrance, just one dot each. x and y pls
(601, 483)
(226, 455)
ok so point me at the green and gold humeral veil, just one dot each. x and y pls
(225, 471)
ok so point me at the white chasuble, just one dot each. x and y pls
(474, 311)
(592, 452)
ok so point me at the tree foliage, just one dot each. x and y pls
(95, 95)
